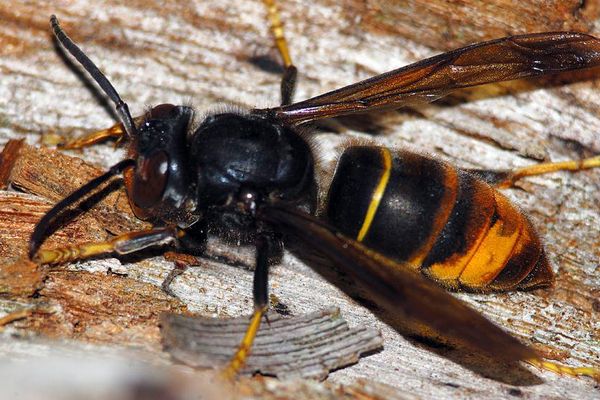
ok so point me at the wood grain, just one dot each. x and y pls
(308, 346)
(206, 53)
(53, 175)
(447, 25)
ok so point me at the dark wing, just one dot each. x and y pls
(498, 60)
(397, 288)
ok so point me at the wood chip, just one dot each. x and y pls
(9, 155)
(105, 308)
(308, 346)
(19, 212)
(53, 175)
(21, 279)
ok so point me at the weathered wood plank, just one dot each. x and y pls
(200, 52)
(309, 345)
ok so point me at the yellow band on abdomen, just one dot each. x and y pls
(377, 194)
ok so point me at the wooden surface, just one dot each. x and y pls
(446, 25)
(201, 53)
(304, 346)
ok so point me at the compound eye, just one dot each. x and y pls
(162, 111)
(150, 179)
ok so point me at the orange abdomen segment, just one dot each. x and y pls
(527, 267)
(508, 253)
(464, 231)
(500, 249)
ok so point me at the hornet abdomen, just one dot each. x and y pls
(443, 221)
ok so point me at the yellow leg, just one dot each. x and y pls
(122, 244)
(114, 132)
(277, 30)
(566, 370)
(545, 168)
(240, 357)
(15, 316)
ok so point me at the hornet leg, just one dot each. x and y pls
(261, 303)
(288, 80)
(114, 132)
(122, 244)
(507, 178)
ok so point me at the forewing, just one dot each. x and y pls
(396, 287)
(498, 60)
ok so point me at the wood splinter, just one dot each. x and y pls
(306, 346)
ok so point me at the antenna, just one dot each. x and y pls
(97, 75)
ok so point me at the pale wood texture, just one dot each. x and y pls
(446, 24)
(199, 52)
(305, 346)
